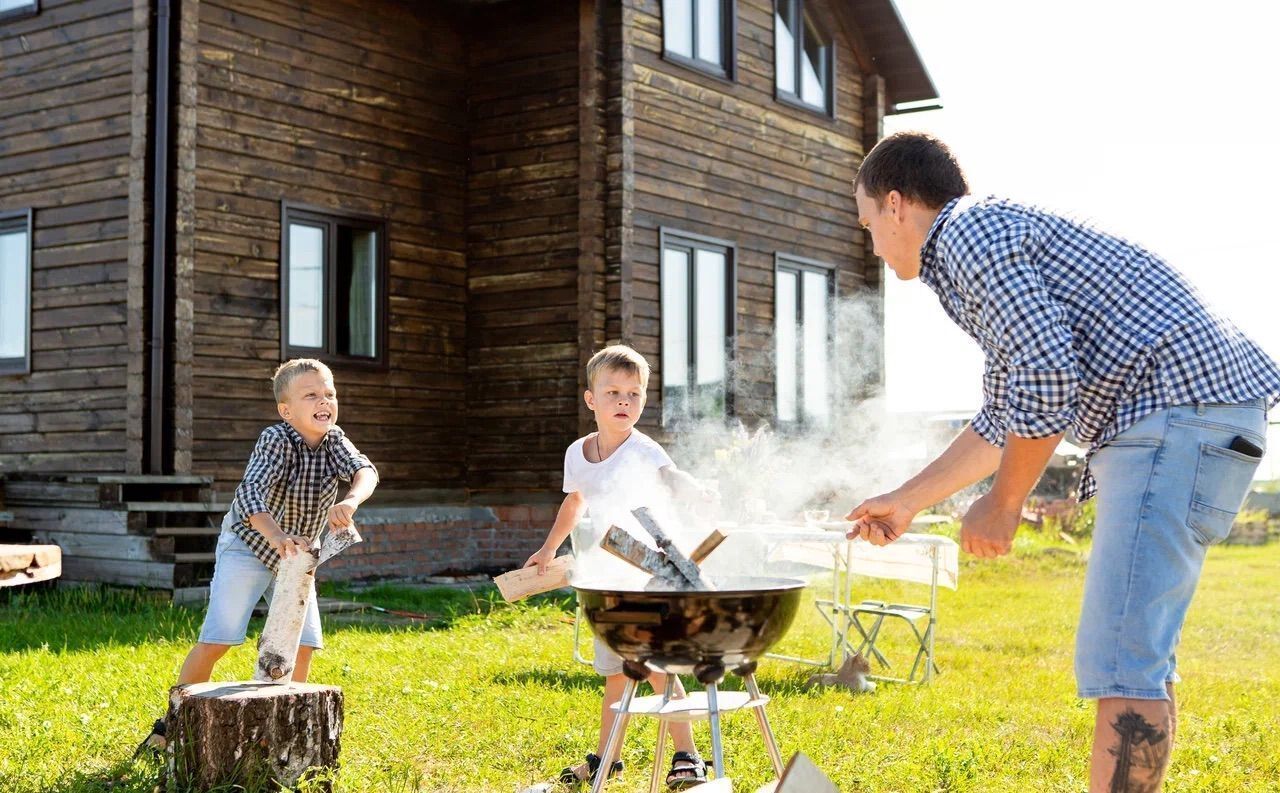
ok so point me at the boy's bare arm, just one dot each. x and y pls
(685, 486)
(570, 513)
(362, 486)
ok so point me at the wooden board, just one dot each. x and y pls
(519, 584)
(27, 564)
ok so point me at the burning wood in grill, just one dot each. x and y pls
(668, 565)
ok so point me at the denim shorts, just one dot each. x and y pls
(1168, 488)
(605, 661)
(240, 580)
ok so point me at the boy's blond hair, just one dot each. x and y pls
(289, 370)
(619, 357)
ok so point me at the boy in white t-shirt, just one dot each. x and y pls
(612, 471)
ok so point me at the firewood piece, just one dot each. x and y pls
(685, 565)
(627, 548)
(252, 734)
(278, 645)
(801, 776)
(519, 584)
(708, 545)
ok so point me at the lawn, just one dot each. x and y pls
(487, 698)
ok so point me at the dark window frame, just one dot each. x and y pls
(785, 262)
(21, 220)
(306, 214)
(792, 99)
(676, 239)
(21, 12)
(726, 71)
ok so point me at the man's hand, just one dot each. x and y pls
(340, 515)
(541, 558)
(286, 544)
(988, 527)
(880, 520)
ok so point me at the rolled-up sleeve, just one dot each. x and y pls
(989, 422)
(1030, 332)
(349, 459)
(266, 465)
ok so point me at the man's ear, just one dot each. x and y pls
(894, 199)
(283, 409)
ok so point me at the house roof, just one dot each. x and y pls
(893, 53)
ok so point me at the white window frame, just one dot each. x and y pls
(672, 239)
(799, 265)
(828, 67)
(28, 9)
(10, 222)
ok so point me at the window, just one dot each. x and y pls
(333, 286)
(13, 9)
(700, 33)
(15, 292)
(697, 277)
(802, 330)
(804, 58)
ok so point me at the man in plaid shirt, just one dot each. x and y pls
(286, 498)
(1086, 332)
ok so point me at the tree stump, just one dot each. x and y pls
(252, 734)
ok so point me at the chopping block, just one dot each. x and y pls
(253, 735)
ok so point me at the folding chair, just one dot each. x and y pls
(938, 555)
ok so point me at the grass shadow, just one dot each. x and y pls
(127, 776)
(579, 679)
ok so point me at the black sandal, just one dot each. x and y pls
(154, 743)
(687, 770)
(569, 774)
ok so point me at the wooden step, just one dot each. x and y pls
(5, 517)
(188, 531)
(141, 479)
(169, 506)
(198, 556)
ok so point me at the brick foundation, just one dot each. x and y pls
(419, 541)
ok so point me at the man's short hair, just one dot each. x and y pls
(622, 358)
(917, 165)
(289, 370)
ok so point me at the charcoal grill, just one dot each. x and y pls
(706, 633)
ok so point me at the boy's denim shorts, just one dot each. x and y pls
(605, 661)
(1168, 488)
(240, 580)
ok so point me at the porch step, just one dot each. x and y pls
(189, 557)
(168, 506)
(188, 531)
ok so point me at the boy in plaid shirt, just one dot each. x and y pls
(284, 501)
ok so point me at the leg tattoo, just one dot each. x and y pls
(1141, 756)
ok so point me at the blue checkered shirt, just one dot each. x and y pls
(295, 483)
(1082, 330)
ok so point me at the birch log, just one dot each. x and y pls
(253, 735)
(278, 646)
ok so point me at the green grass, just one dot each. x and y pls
(486, 697)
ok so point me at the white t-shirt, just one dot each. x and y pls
(624, 480)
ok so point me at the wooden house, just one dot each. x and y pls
(452, 203)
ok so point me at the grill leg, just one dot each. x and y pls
(615, 735)
(763, 720)
(659, 751)
(713, 715)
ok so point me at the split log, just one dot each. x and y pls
(519, 584)
(687, 567)
(255, 735)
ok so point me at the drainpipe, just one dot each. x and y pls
(162, 183)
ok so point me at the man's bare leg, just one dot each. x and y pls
(1132, 741)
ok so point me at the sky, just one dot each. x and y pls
(1153, 119)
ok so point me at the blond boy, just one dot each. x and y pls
(285, 499)
(612, 471)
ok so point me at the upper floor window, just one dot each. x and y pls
(697, 326)
(700, 33)
(333, 286)
(804, 58)
(802, 330)
(15, 292)
(12, 9)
